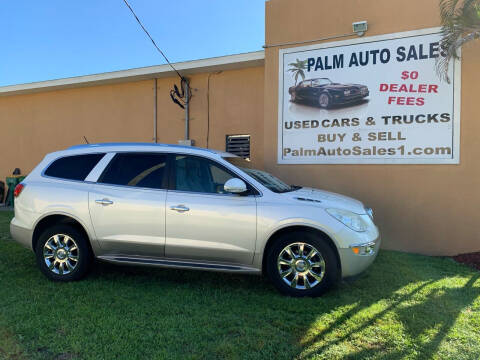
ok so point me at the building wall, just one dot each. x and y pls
(36, 124)
(223, 103)
(431, 209)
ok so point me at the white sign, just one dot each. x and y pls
(373, 100)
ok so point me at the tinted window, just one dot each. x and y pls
(198, 174)
(75, 167)
(264, 178)
(137, 169)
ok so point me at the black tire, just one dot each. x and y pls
(293, 97)
(331, 274)
(328, 102)
(83, 253)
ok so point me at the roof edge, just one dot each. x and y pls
(229, 62)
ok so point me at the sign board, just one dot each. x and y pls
(372, 100)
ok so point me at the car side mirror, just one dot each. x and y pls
(235, 186)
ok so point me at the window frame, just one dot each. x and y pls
(43, 173)
(166, 180)
(251, 190)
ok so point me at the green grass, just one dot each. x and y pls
(404, 306)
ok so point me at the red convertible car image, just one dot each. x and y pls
(325, 93)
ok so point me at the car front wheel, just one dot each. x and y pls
(302, 264)
(324, 100)
(293, 97)
(63, 253)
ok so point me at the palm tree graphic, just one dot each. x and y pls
(297, 69)
(460, 24)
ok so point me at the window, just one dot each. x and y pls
(264, 178)
(239, 145)
(75, 167)
(269, 181)
(321, 81)
(147, 170)
(197, 174)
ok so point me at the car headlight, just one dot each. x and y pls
(346, 92)
(364, 249)
(349, 219)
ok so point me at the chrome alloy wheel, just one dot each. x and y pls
(60, 254)
(301, 266)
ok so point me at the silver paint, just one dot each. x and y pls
(217, 232)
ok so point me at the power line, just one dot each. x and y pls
(153, 41)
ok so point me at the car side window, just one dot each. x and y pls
(147, 170)
(306, 83)
(197, 174)
(75, 167)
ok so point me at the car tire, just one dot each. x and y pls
(324, 100)
(63, 253)
(293, 97)
(315, 274)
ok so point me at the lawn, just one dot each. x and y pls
(404, 306)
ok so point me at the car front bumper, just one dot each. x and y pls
(350, 98)
(20, 234)
(354, 264)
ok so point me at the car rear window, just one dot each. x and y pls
(147, 170)
(75, 167)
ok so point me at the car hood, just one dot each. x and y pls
(325, 199)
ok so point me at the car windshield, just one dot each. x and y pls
(317, 82)
(268, 180)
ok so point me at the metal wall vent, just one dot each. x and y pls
(239, 145)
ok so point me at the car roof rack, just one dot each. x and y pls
(123, 144)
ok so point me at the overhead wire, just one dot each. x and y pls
(153, 41)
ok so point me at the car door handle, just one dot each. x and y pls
(179, 208)
(104, 202)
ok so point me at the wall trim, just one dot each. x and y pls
(222, 63)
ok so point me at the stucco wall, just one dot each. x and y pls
(223, 103)
(432, 209)
(36, 124)
(39, 123)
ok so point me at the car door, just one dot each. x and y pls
(127, 205)
(202, 221)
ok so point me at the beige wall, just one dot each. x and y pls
(432, 209)
(36, 124)
(233, 106)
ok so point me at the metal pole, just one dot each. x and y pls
(155, 112)
(187, 101)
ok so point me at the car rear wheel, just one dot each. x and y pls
(302, 264)
(63, 253)
(324, 100)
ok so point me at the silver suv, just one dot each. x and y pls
(187, 208)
